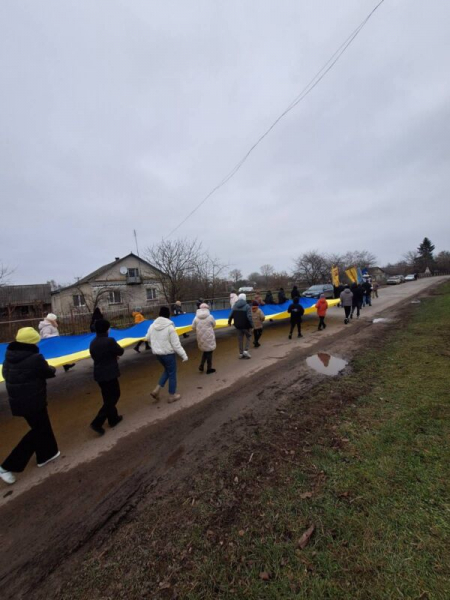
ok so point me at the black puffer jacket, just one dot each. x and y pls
(104, 351)
(296, 311)
(25, 372)
(241, 315)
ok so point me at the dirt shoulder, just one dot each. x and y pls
(48, 531)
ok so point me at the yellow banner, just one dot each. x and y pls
(352, 274)
(335, 276)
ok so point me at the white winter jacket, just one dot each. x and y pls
(233, 299)
(204, 325)
(47, 330)
(163, 338)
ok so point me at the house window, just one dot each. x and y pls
(78, 300)
(133, 272)
(114, 297)
(151, 293)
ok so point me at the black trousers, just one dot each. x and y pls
(40, 440)
(257, 333)
(111, 394)
(139, 344)
(357, 306)
(348, 310)
(322, 323)
(207, 357)
(295, 324)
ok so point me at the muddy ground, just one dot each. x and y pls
(48, 529)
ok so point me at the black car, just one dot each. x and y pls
(315, 290)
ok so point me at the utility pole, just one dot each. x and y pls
(136, 240)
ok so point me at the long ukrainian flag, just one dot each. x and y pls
(65, 349)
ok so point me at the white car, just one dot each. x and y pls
(245, 290)
(410, 278)
(395, 280)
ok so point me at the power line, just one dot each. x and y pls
(306, 90)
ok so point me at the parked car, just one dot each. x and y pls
(245, 290)
(410, 277)
(315, 290)
(395, 279)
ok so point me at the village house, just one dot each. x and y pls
(25, 301)
(126, 283)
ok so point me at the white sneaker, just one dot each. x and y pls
(173, 398)
(49, 460)
(7, 476)
(246, 354)
(241, 356)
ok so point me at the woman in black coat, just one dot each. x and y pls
(26, 371)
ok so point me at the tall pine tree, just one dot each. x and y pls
(425, 256)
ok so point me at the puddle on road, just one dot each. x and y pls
(415, 301)
(381, 320)
(325, 363)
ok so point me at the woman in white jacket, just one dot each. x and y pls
(48, 328)
(165, 342)
(203, 325)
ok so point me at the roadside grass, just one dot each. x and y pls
(365, 460)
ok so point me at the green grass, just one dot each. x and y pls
(378, 470)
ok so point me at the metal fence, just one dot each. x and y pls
(79, 322)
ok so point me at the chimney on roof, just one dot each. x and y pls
(117, 257)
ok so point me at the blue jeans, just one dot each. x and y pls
(169, 362)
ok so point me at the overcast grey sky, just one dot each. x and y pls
(123, 114)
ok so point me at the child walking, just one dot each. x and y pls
(203, 325)
(258, 317)
(322, 307)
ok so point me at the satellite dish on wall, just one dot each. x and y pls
(123, 270)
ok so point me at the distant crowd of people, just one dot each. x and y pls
(26, 371)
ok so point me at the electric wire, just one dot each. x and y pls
(305, 92)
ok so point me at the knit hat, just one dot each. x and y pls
(102, 326)
(204, 305)
(254, 303)
(242, 297)
(51, 317)
(27, 335)
(164, 311)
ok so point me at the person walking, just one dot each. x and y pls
(203, 325)
(367, 290)
(177, 311)
(322, 307)
(165, 345)
(269, 298)
(105, 352)
(296, 311)
(241, 315)
(281, 296)
(376, 287)
(295, 293)
(258, 298)
(346, 301)
(258, 317)
(139, 318)
(48, 328)
(233, 298)
(96, 315)
(357, 300)
(26, 371)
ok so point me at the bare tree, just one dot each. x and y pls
(267, 272)
(443, 261)
(359, 258)
(177, 261)
(209, 271)
(311, 267)
(235, 275)
(5, 273)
